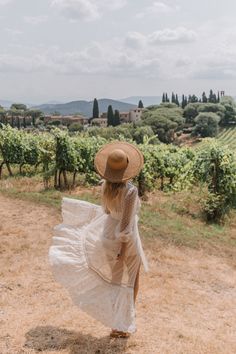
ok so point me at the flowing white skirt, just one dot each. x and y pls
(70, 254)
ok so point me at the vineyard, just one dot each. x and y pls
(65, 161)
(228, 137)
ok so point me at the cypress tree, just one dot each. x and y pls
(110, 116)
(183, 102)
(218, 97)
(177, 100)
(163, 98)
(95, 108)
(167, 98)
(173, 98)
(194, 98)
(204, 97)
(140, 104)
(211, 98)
(116, 120)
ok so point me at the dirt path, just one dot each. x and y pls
(186, 305)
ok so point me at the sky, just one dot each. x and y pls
(64, 50)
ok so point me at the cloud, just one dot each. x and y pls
(137, 40)
(158, 7)
(137, 55)
(35, 20)
(220, 65)
(168, 36)
(87, 10)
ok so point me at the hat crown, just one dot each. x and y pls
(117, 159)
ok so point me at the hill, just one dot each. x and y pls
(84, 107)
(228, 137)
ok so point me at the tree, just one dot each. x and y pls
(204, 97)
(212, 97)
(230, 110)
(3, 115)
(163, 98)
(75, 127)
(214, 108)
(95, 108)
(164, 120)
(190, 112)
(116, 120)
(110, 116)
(177, 100)
(173, 98)
(140, 104)
(34, 114)
(207, 124)
(184, 101)
(19, 106)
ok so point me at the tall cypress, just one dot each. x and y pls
(211, 97)
(183, 102)
(173, 98)
(110, 116)
(140, 104)
(163, 98)
(116, 120)
(204, 97)
(177, 100)
(95, 108)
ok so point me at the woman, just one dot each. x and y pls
(96, 252)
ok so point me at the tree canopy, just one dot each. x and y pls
(164, 120)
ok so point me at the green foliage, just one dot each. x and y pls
(116, 119)
(227, 137)
(129, 132)
(230, 110)
(164, 120)
(216, 166)
(214, 108)
(18, 107)
(207, 124)
(75, 127)
(166, 167)
(191, 111)
(54, 123)
(140, 104)
(110, 116)
(95, 108)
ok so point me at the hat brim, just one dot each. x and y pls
(133, 168)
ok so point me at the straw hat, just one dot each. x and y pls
(118, 161)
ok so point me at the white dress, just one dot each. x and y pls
(83, 256)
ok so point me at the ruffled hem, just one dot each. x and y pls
(111, 304)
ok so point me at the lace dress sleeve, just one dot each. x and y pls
(129, 209)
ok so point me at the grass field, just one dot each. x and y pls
(173, 218)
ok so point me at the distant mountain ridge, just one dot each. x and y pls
(84, 108)
(147, 100)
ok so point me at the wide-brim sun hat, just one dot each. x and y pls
(118, 161)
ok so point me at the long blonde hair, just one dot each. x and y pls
(112, 195)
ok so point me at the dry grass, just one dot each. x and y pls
(186, 305)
